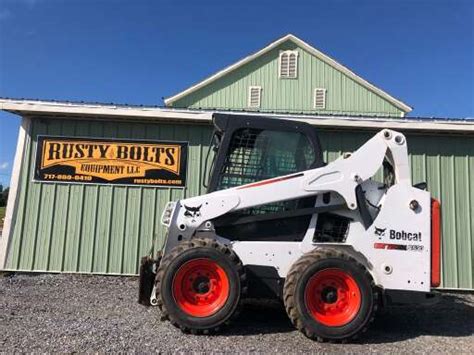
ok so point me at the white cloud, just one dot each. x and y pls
(4, 165)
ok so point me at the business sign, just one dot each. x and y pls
(111, 161)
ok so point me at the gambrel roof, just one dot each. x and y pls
(310, 49)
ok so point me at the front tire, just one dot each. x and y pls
(329, 296)
(199, 285)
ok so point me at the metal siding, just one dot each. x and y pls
(95, 228)
(105, 229)
(344, 95)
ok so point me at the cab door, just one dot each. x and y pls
(257, 148)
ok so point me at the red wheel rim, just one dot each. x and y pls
(200, 287)
(332, 297)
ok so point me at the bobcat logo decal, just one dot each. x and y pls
(380, 232)
(193, 212)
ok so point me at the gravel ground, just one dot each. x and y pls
(71, 313)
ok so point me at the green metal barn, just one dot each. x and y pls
(94, 222)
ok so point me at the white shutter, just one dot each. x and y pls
(319, 98)
(292, 62)
(288, 65)
(254, 99)
(284, 65)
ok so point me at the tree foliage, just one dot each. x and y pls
(4, 197)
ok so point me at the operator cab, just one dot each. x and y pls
(254, 148)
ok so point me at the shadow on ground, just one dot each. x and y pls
(452, 316)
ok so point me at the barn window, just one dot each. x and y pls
(319, 98)
(255, 95)
(288, 67)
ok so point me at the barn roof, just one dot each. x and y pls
(302, 44)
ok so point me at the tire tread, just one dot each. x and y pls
(290, 287)
(191, 244)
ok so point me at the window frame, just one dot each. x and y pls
(227, 124)
(240, 159)
(288, 53)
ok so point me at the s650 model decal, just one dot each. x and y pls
(389, 246)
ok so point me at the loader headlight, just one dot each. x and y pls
(167, 213)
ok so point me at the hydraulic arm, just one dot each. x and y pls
(341, 176)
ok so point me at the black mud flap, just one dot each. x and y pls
(146, 280)
(400, 297)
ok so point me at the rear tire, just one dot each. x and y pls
(329, 296)
(199, 285)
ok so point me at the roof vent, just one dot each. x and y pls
(319, 99)
(255, 95)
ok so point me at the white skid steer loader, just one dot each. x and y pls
(327, 239)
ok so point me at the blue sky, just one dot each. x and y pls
(139, 51)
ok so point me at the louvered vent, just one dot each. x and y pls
(320, 99)
(288, 64)
(255, 93)
(292, 65)
(284, 65)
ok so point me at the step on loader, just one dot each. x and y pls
(329, 240)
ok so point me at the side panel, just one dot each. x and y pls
(95, 228)
(398, 244)
(398, 258)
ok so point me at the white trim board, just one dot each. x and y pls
(82, 111)
(290, 37)
(14, 193)
(31, 107)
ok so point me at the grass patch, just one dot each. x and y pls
(2, 215)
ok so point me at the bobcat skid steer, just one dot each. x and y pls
(328, 240)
